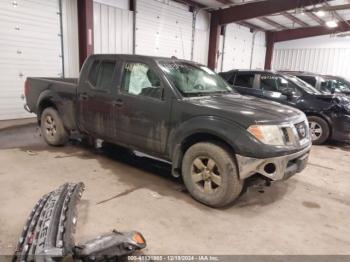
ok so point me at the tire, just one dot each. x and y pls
(52, 127)
(218, 185)
(319, 130)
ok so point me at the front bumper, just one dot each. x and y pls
(276, 168)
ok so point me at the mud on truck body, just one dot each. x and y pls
(178, 111)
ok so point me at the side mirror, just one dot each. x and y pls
(332, 89)
(289, 93)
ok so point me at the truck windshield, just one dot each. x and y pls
(302, 84)
(194, 80)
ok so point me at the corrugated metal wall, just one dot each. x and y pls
(240, 51)
(334, 61)
(259, 51)
(70, 38)
(30, 45)
(113, 29)
(201, 39)
(163, 28)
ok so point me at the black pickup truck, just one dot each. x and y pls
(177, 111)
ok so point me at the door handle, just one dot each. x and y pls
(84, 96)
(118, 102)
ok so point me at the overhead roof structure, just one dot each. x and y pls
(282, 19)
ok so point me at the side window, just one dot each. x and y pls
(93, 73)
(139, 79)
(101, 74)
(269, 83)
(105, 75)
(279, 84)
(309, 79)
(289, 87)
(245, 80)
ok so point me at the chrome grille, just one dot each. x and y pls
(295, 133)
(302, 130)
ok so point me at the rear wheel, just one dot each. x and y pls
(210, 174)
(52, 128)
(319, 130)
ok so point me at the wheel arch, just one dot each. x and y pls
(43, 104)
(325, 118)
(64, 106)
(194, 138)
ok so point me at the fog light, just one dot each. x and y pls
(270, 168)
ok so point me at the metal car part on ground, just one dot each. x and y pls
(48, 232)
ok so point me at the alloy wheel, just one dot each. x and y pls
(316, 130)
(50, 126)
(205, 174)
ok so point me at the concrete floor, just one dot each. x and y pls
(308, 214)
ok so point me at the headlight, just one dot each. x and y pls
(268, 134)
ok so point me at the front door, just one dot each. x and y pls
(277, 88)
(96, 100)
(143, 108)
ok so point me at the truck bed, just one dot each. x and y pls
(60, 93)
(36, 86)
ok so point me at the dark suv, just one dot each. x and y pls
(328, 115)
(324, 83)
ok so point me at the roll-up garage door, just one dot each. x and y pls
(113, 30)
(30, 45)
(163, 29)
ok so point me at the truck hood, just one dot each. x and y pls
(248, 110)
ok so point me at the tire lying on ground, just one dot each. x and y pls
(52, 127)
(210, 174)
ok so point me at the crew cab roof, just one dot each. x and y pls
(139, 57)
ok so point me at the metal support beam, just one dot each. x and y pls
(251, 26)
(315, 18)
(294, 19)
(215, 30)
(272, 23)
(270, 42)
(293, 34)
(298, 33)
(335, 13)
(225, 2)
(258, 9)
(247, 11)
(85, 29)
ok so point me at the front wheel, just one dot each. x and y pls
(319, 130)
(210, 174)
(52, 127)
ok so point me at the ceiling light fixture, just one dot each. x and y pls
(332, 23)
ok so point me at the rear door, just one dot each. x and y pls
(96, 100)
(143, 105)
